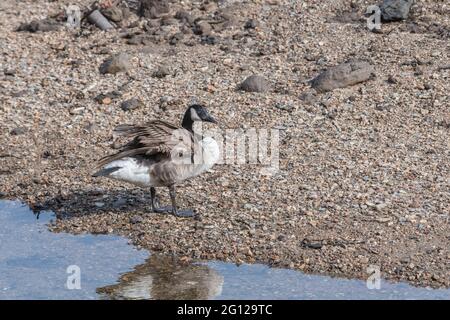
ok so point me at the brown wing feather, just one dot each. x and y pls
(155, 137)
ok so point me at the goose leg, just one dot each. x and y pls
(155, 203)
(175, 211)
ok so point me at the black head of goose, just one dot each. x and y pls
(161, 154)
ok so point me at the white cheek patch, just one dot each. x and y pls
(194, 115)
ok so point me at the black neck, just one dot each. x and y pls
(187, 121)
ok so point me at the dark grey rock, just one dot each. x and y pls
(395, 10)
(9, 72)
(209, 40)
(254, 83)
(285, 106)
(17, 131)
(131, 104)
(311, 244)
(118, 63)
(153, 8)
(136, 219)
(119, 203)
(202, 28)
(251, 24)
(168, 21)
(44, 25)
(177, 37)
(343, 75)
(98, 19)
(114, 14)
(161, 72)
(184, 16)
(19, 93)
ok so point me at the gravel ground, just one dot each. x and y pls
(364, 170)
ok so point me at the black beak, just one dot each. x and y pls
(210, 119)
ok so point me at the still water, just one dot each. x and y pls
(38, 264)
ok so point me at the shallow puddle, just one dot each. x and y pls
(38, 264)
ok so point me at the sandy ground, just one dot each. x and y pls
(364, 171)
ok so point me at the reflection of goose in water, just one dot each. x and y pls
(163, 277)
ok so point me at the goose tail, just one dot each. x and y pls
(105, 172)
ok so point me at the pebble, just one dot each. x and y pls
(113, 13)
(251, 24)
(115, 64)
(153, 8)
(131, 104)
(99, 204)
(202, 28)
(254, 83)
(18, 131)
(161, 72)
(136, 219)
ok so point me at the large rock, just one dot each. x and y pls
(343, 75)
(254, 83)
(394, 10)
(118, 63)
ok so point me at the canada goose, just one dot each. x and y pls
(161, 154)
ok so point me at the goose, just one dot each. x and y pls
(161, 154)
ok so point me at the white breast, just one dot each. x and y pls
(130, 171)
(209, 157)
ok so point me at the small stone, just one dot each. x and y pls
(391, 79)
(254, 83)
(251, 24)
(118, 63)
(131, 104)
(184, 16)
(380, 206)
(164, 101)
(106, 100)
(19, 93)
(177, 37)
(9, 72)
(286, 106)
(153, 8)
(161, 72)
(136, 219)
(113, 13)
(202, 28)
(18, 131)
(168, 21)
(2, 195)
(311, 244)
(99, 204)
(209, 40)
